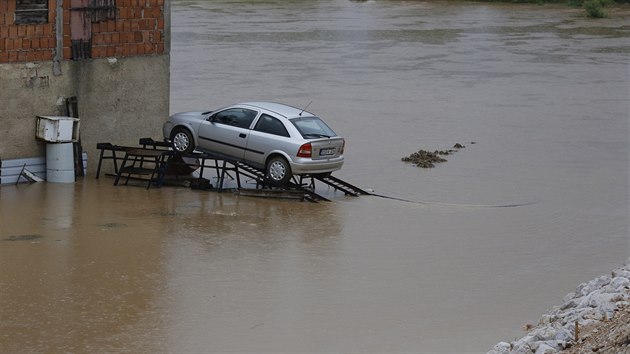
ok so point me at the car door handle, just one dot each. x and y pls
(241, 135)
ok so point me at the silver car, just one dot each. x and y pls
(279, 139)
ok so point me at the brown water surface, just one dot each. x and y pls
(541, 90)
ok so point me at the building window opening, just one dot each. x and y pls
(103, 10)
(31, 11)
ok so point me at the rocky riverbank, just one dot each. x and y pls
(594, 318)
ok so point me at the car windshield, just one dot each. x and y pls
(312, 127)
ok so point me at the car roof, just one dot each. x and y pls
(279, 108)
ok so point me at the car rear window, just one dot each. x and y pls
(312, 127)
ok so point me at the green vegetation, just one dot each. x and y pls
(594, 8)
(539, 2)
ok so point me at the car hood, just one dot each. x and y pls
(192, 115)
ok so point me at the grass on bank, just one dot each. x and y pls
(593, 8)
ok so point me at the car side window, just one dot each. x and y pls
(271, 125)
(237, 117)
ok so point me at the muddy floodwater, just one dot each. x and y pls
(492, 238)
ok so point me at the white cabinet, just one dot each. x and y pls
(56, 129)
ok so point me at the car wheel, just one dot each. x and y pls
(279, 171)
(182, 141)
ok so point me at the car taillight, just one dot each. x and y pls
(343, 146)
(306, 150)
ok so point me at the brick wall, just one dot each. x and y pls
(21, 43)
(137, 30)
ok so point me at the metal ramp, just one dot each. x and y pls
(263, 185)
(341, 185)
(225, 168)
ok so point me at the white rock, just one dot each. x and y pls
(597, 283)
(595, 315)
(569, 304)
(500, 348)
(620, 304)
(522, 350)
(547, 345)
(600, 299)
(623, 272)
(587, 322)
(564, 334)
(591, 303)
(545, 333)
(547, 319)
(545, 349)
(607, 290)
(619, 282)
(569, 317)
(568, 297)
(523, 345)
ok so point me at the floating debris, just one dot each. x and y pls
(22, 238)
(428, 159)
(424, 159)
(167, 213)
(112, 225)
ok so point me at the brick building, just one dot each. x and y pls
(110, 54)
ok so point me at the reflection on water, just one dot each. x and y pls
(88, 260)
(542, 90)
(86, 282)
